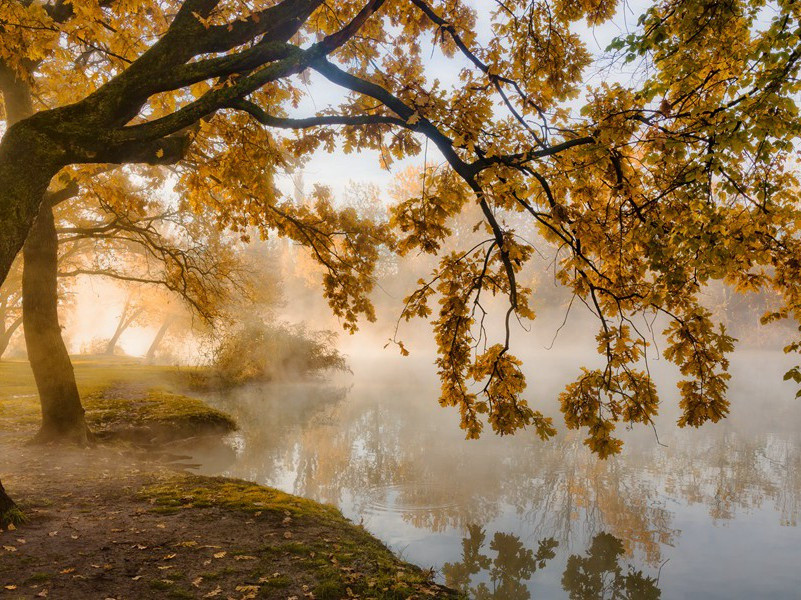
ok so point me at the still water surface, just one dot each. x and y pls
(709, 513)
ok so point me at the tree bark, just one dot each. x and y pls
(9, 513)
(25, 173)
(62, 413)
(151, 352)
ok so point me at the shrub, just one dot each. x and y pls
(259, 351)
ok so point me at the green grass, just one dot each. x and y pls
(168, 413)
(280, 582)
(331, 554)
(13, 516)
(117, 393)
(176, 493)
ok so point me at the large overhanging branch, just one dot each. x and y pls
(269, 120)
(281, 21)
(270, 60)
(367, 88)
(96, 126)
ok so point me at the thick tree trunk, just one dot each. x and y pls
(25, 173)
(151, 352)
(28, 162)
(62, 413)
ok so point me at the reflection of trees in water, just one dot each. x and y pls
(574, 496)
(786, 457)
(272, 419)
(513, 565)
(730, 472)
(388, 460)
(600, 575)
(399, 456)
(505, 568)
(385, 459)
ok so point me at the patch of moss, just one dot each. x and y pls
(14, 516)
(190, 491)
(280, 582)
(161, 584)
(330, 589)
(166, 414)
(298, 549)
(333, 554)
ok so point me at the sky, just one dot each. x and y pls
(337, 169)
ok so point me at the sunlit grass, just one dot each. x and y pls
(117, 392)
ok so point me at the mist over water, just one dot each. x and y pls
(706, 513)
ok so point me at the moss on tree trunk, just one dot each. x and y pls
(62, 413)
(9, 513)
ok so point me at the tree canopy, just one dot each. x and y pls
(650, 188)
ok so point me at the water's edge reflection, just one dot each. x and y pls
(515, 518)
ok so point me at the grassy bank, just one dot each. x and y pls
(111, 522)
(122, 397)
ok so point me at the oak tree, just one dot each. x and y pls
(650, 190)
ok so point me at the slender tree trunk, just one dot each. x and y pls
(62, 413)
(7, 334)
(112, 343)
(126, 318)
(151, 352)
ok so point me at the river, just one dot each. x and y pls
(681, 513)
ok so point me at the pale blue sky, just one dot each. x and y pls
(338, 169)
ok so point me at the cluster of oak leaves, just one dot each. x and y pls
(650, 189)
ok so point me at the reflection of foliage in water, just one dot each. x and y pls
(600, 576)
(597, 576)
(573, 496)
(513, 565)
(271, 418)
(385, 458)
(379, 455)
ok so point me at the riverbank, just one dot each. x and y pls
(124, 520)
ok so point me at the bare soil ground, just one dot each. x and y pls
(110, 523)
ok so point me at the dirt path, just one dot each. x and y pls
(115, 523)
